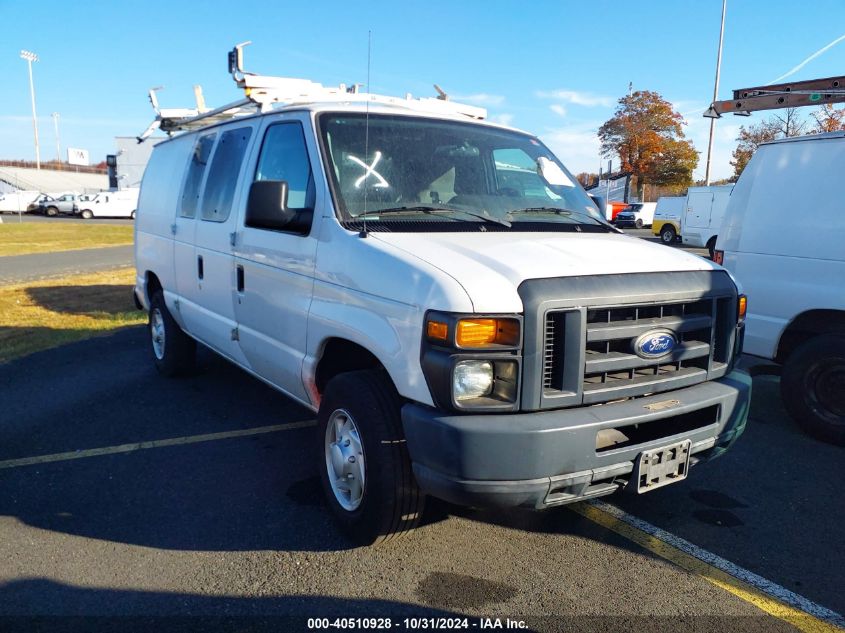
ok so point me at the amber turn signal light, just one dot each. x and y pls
(481, 333)
(437, 331)
(741, 307)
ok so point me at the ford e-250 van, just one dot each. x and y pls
(445, 296)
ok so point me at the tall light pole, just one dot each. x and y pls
(32, 57)
(55, 116)
(715, 94)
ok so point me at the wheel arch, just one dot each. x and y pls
(807, 325)
(340, 355)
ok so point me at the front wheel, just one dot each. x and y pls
(174, 352)
(52, 212)
(667, 234)
(87, 214)
(638, 223)
(364, 464)
(813, 387)
(132, 215)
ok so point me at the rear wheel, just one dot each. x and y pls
(174, 352)
(87, 214)
(668, 234)
(638, 223)
(52, 211)
(132, 215)
(813, 387)
(364, 466)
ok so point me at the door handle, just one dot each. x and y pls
(200, 270)
(240, 271)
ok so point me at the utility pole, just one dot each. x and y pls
(715, 94)
(32, 57)
(55, 116)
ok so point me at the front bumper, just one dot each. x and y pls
(548, 458)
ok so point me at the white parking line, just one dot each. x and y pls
(137, 446)
(768, 596)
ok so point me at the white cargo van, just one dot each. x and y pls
(111, 204)
(703, 214)
(667, 218)
(636, 215)
(796, 276)
(446, 297)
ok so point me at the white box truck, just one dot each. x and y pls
(703, 214)
(796, 276)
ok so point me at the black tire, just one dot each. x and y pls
(87, 214)
(812, 387)
(178, 351)
(132, 215)
(711, 247)
(392, 503)
(668, 234)
(51, 211)
(638, 223)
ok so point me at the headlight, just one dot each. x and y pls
(472, 379)
(472, 362)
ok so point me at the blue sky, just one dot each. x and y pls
(554, 68)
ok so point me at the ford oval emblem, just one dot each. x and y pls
(655, 344)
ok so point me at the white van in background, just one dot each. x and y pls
(703, 215)
(637, 215)
(111, 204)
(667, 218)
(17, 201)
(795, 276)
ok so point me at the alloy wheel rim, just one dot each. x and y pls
(345, 464)
(157, 333)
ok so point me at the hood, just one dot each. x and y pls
(490, 266)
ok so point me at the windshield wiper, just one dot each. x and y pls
(433, 209)
(556, 211)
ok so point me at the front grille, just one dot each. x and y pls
(611, 369)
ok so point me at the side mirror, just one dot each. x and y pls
(267, 205)
(601, 203)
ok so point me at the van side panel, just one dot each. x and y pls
(783, 236)
(157, 203)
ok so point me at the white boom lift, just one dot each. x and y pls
(263, 93)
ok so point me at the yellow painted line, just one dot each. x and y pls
(137, 446)
(604, 514)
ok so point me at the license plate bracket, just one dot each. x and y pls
(662, 466)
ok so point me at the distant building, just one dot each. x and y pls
(126, 166)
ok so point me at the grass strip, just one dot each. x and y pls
(39, 315)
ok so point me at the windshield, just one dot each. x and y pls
(400, 168)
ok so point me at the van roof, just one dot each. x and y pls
(375, 107)
(807, 137)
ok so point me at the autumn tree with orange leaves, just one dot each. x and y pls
(647, 135)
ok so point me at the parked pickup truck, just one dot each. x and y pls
(445, 296)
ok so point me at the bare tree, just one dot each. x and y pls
(789, 123)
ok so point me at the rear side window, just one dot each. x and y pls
(196, 169)
(285, 157)
(223, 174)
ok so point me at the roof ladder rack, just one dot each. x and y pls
(813, 92)
(263, 92)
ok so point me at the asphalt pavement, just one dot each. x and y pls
(21, 268)
(225, 518)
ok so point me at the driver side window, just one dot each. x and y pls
(284, 156)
